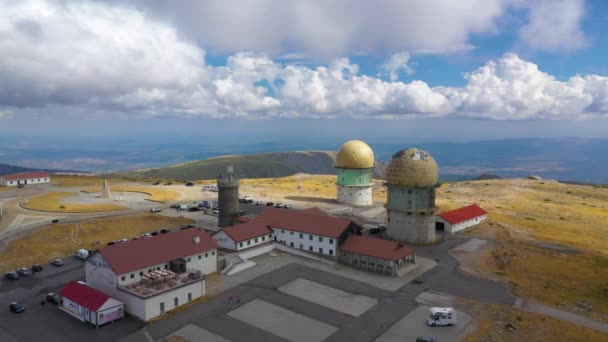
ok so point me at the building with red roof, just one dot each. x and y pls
(461, 218)
(155, 274)
(89, 304)
(375, 254)
(25, 178)
(243, 236)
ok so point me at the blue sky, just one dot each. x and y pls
(445, 70)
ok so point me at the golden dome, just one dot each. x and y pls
(412, 168)
(355, 154)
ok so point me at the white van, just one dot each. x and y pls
(441, 316)
(184, 207)
(81, 254)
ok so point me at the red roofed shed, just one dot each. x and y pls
(243, 235)
(89, 304)
(461, 218)
(375, 254)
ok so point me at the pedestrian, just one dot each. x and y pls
(238, 299)
(42, 303)
(230, 299)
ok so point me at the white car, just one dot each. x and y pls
(248, 198)
(216, 212)
(156, 210)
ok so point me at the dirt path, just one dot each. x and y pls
(560, 314)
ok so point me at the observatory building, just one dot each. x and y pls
(411, 178)
(227, 198)
(354, 165)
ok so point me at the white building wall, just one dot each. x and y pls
(461, 225)
(355, 195)
(224, 240)
(253, 242)
(16, 182)
(307, 242)
(152, 305)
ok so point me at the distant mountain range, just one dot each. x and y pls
(6, 169)
(265, 165)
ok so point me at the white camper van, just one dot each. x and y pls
(441, 316)
(81, 254)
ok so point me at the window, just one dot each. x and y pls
(248, 242)
(162, 308)
(320, 250)
(282, 231)
(310, 237)
(264, 238)
(290, 233)
(149, 270)
(123, 278)
(141, 274)
(301, 236)
(207, 254)
(158, 268)
(320, 239)
(256, 240)
(175, 301)
(310, 248)
(241, 244)
(301, 246)
(409, 191)
(166, 267)
(132, 275)
(291, 244)
(331, 252)
(189, 296)
(200, 257)
(212, 252)
(331, 241)
(409, 213)
(188, 259)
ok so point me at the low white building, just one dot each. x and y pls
(156, 274)
(461, 218)
(309, 230)
(17, 179)
(90, 305)
(243, 236)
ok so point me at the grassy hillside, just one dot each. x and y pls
(267, 165)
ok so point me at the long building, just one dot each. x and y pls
(461, 218)
(156, 274)
(26, 178)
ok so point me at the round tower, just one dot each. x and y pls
(411, 178)
(227, 197)
(355, 165)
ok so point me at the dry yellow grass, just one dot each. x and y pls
(493, 319)
(70, 180)
(53, 202)
(156, 194)
(62, 240)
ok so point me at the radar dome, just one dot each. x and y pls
(412, 168)
(355, 154)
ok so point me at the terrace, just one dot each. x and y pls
(161, 281)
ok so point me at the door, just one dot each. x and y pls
(162, 308)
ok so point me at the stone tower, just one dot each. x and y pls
(228, 197)
(105, 191)
(355, 166)
(411, 177)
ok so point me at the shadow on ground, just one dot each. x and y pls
(311, 199)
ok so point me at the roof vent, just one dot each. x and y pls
(196, 239)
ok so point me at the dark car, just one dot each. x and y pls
(16, 307)
(12, 275)
(194, 209)
(190, 184)
(168, 183)
(269, 204)
(37, 268)
(53, 298)
(57, 262)
(425, 339)
(241, 213)
(24, 272)
(156, 183)
(154, 233)
(188, 226)
(164, 231)
(174, 206)
(111, 243)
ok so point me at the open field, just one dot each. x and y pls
(52, 202)
(156, 194)
(496, 323)
(62, 240)
(72, 180)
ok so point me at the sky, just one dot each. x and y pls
(411, 70)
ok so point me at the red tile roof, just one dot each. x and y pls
(138, 254)
(375, 247)
(314, 211)
(84, 295)
(246, 231)
(25, 175)
(303, 222)
(242, 219)
(463, 214)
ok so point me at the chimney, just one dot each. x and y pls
(196, 239)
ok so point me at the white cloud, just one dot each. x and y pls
(93, 59)
(5, 114)
(554, 25)
(396, 63)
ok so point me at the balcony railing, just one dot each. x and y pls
(150, 286)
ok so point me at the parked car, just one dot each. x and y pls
(57, 262)
(174, 206)
(259, 203)
(194, 209)
(111, 243)
(37, 268)
(425, 339)
(81, 254)
(156, 210)
(24, 271)
(154, 233)
(122, 240)
(269, 204)
(147, 235)
(168, 183)
(184, 207)
(190, 184)
(156, 183)
(241, 213)
(12, 275)
(164, 230)
(216, 211)
(53, 298)
(247, 197)
(16, 307)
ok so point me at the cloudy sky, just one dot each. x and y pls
(454, 69)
